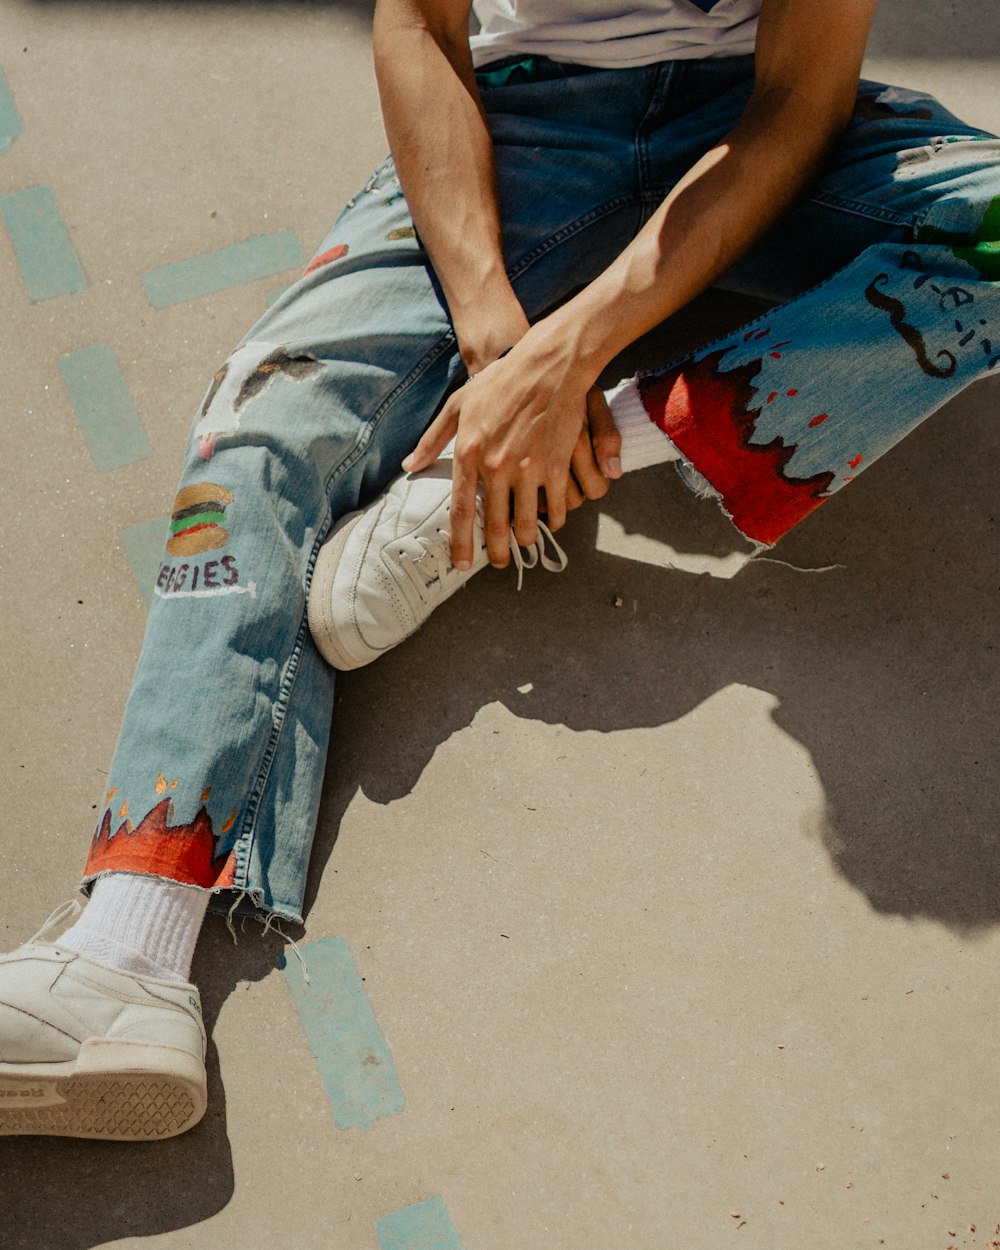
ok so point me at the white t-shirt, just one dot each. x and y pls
(614, 34)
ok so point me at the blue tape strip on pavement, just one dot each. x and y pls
(426, 1226)
(352, 1055)
(143, 545)
(45, 255)
(105, 410)
(10, 122)
(260, 257)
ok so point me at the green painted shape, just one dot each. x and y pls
(10, 122)
(262, 256)
(984, 254)
(201, 518)
(143, 545)
(48, 262)
(105, 411)
(984, 258)
(424, 1226)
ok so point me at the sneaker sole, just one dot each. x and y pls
(113, 1091)
(319, 605)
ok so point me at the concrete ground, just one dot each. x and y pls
(673, 898)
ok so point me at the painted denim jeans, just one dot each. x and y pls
(888, 277)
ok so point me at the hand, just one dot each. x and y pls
(518, 427)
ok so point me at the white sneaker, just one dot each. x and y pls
(384, 570)
(87, 1051)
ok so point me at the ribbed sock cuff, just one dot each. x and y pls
(643, 442)
(145, 925)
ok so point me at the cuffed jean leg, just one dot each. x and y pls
(780, 416)
(224, 738)
(218, 770)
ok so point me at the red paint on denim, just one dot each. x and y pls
(709, 415)
(183, 853)
(336, 252)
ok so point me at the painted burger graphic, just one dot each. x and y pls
(197, 521)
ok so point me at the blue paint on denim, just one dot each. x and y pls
(351, 1053)
(426, 1226)
(48, 263)
(260, 257)
(143, 545)
(105, 410)
(10, 122)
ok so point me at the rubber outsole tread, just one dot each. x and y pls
(133, 1108)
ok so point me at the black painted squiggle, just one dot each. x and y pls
(910, 334)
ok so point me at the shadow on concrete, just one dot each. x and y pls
(884, 670)
(60, 1192)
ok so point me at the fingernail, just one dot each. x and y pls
(463, 566)
(407, 462)
(614, 467)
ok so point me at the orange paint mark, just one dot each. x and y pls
(849, 478)
(124, 812)
(772, 397)
(184, 853)
(270, 368)
(230, 822)
(855, 462)
(793, 391)
(110, 795)
(818, 420)
(337, 252)
(173, 784)
(205, 793)
(161, 783)
(776, 355)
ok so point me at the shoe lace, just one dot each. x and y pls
(431, 569)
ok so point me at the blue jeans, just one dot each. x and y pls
(890, 276)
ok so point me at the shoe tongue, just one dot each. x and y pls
(59, 920)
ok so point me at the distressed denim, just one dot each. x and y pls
(888, 272)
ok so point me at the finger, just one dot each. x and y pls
(604, 436)
(574, 495)
(555, 502)
(462, 511)
(585, 470)
(527, 506)
(496, 519)
(435, 438)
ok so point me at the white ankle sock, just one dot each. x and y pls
(146, 925)
(643, 442)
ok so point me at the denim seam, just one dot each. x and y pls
(662, 84)
(860, 209)
(433, 353)
(243, 847)
(567, 232)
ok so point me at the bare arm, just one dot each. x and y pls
(519, 421)
(444, 155)
(808, 59)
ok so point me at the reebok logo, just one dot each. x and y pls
(44, 1095)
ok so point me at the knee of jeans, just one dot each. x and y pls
(965, 205)
(252, 369)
